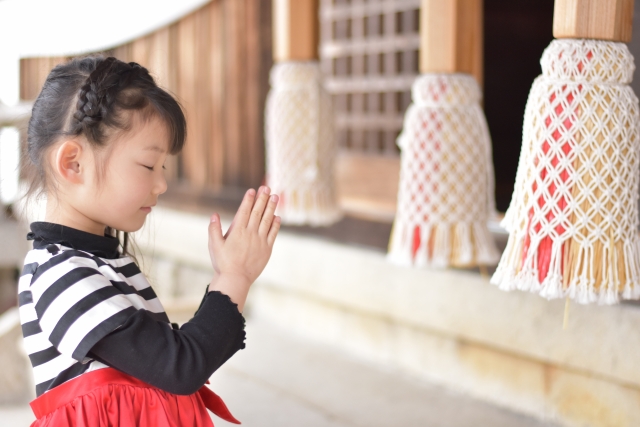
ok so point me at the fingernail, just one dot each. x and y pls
(214, 218)
(251, 192)
(267, 190)
(274, 198)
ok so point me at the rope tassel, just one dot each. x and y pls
(300, 143)
(573, 217)
(446, 177)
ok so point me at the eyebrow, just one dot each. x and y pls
(154, 148)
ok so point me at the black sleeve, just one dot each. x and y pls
(181, 360)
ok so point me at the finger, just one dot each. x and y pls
(258, 209)
(273, 231)
(260, 190)
(244, 211)
(215, 232)
(268, 217)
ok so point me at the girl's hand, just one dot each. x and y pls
(240, 256)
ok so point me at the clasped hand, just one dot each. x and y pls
(239, 256)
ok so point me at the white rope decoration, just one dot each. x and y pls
(301, 146)
(573, 217)
(446, 177)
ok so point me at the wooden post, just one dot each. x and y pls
(451, 37)
(295, 30)
(593, 19)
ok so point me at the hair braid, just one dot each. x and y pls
(100, 91)
(88, 109)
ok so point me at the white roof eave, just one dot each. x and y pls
(35, 28)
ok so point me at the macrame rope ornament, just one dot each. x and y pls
(300, 143)
(573, 217)
(445, 195)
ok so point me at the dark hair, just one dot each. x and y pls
(94, 96)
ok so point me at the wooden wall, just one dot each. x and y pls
(216, 61)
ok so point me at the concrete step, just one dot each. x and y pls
(282, 380)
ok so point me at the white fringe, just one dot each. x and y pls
(313, 207)
(583, 287)
(457, 245)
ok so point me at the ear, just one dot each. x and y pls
(69, 161)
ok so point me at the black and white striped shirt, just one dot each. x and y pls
(76, 291)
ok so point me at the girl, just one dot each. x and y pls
(102, 348)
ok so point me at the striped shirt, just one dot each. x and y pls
(70, 299)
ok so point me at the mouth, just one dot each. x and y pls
(146, 209)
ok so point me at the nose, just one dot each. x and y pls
(160, 185)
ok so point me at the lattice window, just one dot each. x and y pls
(369, 56)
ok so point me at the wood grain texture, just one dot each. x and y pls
(234, 78)
(451, 37)
(194, 152)
(216, 95)
(593, 19)
(253, 114)
(295, 30)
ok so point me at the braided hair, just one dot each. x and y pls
(95, 108)
(94, 97)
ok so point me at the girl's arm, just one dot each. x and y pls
(177, 361)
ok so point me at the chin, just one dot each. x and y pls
(127, 228)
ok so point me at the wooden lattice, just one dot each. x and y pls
(369, 57)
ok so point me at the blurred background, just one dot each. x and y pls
(336, 335)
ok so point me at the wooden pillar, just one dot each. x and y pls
(593, 19)
(451, 37)
(295, 30)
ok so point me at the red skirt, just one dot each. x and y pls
(108, 397)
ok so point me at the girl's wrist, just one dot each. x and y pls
(235, 286)
(239, 280)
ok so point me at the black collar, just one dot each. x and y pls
(46, 233)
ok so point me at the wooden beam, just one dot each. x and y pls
(593, 19)
(451, 37)
(295, 30)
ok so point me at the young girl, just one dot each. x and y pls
(102, 348)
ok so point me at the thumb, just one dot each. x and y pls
(215, 231)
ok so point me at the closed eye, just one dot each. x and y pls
(151, 168)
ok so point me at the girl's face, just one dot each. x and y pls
(135, 175)
(123, 195)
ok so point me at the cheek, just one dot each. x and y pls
(129, 185)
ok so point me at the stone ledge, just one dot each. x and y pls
(462, 304)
